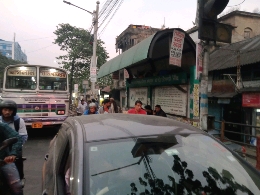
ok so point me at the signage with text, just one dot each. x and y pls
(137, 94)
(176, 48)
(251, 100)
(22, 71)
(171, 100)
(199, 61)
(51, 72)
(93, 71)
(174, 79)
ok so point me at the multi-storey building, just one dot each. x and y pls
(246, 25)
(131, 36)
(233, 74)
(12, 50)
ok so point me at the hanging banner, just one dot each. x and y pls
(199, 61)
(176, 48)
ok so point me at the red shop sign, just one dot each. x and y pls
(251, 100)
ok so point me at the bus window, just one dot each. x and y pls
(52, 79)
(21, 78)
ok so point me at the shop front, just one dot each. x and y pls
(251, 103)
(161, 72)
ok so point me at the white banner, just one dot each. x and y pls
(176, 48)
(171, 100)
(137, 94)
(76, 88)
(93, 78)
(93, 71)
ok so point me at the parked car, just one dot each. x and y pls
(114, 154)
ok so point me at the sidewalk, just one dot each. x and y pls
(251, 155)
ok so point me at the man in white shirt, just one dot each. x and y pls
(81, 107)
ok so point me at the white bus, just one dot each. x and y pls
(41, 93)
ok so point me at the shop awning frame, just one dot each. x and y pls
(137, 54)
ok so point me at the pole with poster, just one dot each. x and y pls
(93, 78)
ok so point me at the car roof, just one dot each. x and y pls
(115, 126)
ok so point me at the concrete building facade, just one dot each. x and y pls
(12, 50)
(132, 35)
(246, 25)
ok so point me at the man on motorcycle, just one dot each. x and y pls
(9, 170)
(8, 110)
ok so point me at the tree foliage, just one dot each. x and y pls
(4, 62)
(76, 42)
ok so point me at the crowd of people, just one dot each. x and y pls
(110, 106)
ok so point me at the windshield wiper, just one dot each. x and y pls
(140, 160)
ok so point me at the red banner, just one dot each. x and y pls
(251, 100)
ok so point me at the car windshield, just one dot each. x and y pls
(177, 164)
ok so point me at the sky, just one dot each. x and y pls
(34, 21)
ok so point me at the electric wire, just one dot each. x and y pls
(39, 49)
(111, 18)
(35, 39)
(237, 4)
(104, 7)
(109, 12)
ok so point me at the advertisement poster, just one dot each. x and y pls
(199, 61)
(176, 48)
(171, 100)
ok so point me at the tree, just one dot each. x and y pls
(256, 10)
(76, 42)
(4, 62)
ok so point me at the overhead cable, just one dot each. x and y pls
(237, 4)
(111, 17)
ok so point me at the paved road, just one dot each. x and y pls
(35, 149)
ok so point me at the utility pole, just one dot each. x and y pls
(209, 30)
(204, 90)
(94, 58)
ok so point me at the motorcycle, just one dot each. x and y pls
(5, 144)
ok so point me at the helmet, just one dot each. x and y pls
(8, 104)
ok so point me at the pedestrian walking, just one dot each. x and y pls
(105, 109)
(137, 109)
(114, 107)
(159, 112)
(81, 107)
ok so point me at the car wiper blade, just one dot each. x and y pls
(120, 167)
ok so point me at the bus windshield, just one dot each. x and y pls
(52, 79)
(21, 78)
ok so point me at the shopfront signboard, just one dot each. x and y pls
(251, 100)
(173, 79)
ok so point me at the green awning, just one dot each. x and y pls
(133, 55)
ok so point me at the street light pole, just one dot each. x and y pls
(94, 58)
